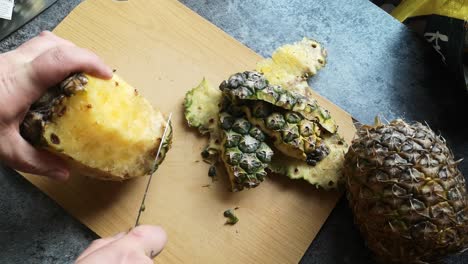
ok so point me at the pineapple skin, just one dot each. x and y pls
(407, 194)
(326, 174)
(201, 110)
(244, 153)
(89, 122)
(253, 86)
(304, 142)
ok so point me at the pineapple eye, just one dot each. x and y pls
(292, 117)
(275, 121)
(306, 128)
(242, 92)
(241, 126)
(250, 163)
(268, 94)
(232, 139)
(257, 134)
(227, 122)
(235, 81)
(261, 110)
(286, 101)
(248, 144)
(233, 156)
(264, 153)
(290, 133)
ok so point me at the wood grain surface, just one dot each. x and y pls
(164, 49)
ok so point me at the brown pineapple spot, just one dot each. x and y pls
(54, 139)
(116, 83)
(211, 120)
(114, 70)
(296, 170)
(62, 111)
(89, 106)
(199, 108)
(136, 92)
(320, 61)
(314, 45)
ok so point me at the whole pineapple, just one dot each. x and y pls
(407, 194)
(104, 128)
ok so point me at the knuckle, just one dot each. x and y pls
(45, 33)
(59, 55)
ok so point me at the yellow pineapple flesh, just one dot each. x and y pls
(291, 65)
(103, 127)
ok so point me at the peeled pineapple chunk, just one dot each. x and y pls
(103, 127)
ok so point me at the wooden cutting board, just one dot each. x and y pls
(164, 49)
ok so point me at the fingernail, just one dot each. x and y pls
(60, 175)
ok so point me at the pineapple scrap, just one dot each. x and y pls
(291, 65)
(201, 110)
(327, 174)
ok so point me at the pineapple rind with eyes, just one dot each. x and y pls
(243, 149)
(252, 86)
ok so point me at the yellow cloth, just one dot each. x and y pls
(450, 8)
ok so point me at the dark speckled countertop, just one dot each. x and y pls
(376, 66)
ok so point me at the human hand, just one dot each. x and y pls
(25, 74)
(139, 246)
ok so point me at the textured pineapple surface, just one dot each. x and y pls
(326, 174)
(275, 100)
(252, 86)
(244, 152)
(104, 127)
(408, 196)
(291, 65)
(202, 105)
(201, 109)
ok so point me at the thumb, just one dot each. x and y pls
(140, 245)
(20, 155)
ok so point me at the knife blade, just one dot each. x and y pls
(142, 205)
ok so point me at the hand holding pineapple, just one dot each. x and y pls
(25, 77)
(25, 74)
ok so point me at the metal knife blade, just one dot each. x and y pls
(142, 205)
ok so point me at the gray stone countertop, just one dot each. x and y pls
(376, 66)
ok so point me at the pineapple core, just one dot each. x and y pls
(107, 126)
